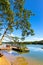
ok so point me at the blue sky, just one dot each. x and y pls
(36, 21)
(36, 6)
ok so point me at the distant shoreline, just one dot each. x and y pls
(35, 42)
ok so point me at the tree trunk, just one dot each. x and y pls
(3, 35)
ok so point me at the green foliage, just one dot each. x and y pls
(14, 15)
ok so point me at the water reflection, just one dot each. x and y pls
(36, 53)
(35, 49)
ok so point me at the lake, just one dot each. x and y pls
(35, 53)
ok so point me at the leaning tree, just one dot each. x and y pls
(13, 15)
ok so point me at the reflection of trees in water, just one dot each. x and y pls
(23, 52)
(21, 48)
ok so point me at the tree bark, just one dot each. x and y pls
(4, 34)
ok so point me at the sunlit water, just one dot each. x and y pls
(36, 53)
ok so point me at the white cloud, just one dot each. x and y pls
(33, 39)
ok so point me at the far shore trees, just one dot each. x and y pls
(13, 16)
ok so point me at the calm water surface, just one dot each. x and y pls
(36, 53)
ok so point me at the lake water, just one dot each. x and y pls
(36, 53)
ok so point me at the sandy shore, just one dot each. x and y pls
(4, 61)
(24, 61)
(17, 60)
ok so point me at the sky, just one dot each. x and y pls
(36, 6)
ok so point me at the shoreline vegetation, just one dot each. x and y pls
(34, 42)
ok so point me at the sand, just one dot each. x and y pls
(18, 61)
(4, 61)
(24, 61)
(9, 59)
